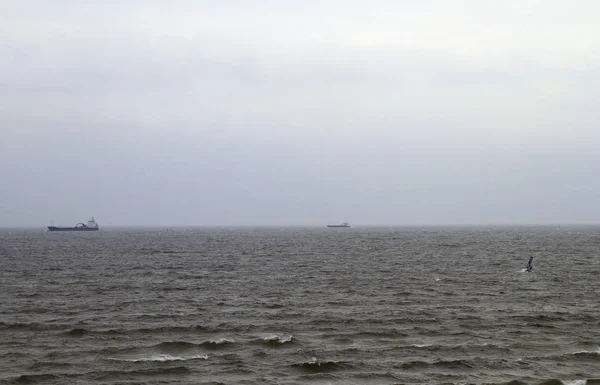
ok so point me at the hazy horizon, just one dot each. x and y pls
(558, 226)
(299, 114)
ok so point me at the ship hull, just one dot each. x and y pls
(54, 228)
(343, 226)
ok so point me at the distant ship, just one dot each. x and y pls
(345, 224)
(91, 225)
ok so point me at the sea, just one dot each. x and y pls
(372, 305)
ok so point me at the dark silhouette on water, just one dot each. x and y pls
(529, 266)
(91, 225)
(345, 224)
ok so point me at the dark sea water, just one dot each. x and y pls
(301, 306)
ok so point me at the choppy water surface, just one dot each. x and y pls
(300, 306)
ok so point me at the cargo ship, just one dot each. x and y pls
(345, 224)
(91, 225)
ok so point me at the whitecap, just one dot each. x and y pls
(574, 382)
(162, 358)
(597, 351)
(222, 341)
(279, 338)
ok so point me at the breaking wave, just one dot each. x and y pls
(276, 340)
(594, 354)
(316, 366)
(217, 344)
(162, 358)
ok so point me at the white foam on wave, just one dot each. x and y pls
(421, 345)
(278, 338)
(162, 358)
(597, 351)
(574, 382)
(222, 341)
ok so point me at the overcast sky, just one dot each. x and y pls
(308, 112)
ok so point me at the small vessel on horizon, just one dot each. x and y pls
(91, 225)
(345, 224)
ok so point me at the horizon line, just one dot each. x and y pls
(155, 226)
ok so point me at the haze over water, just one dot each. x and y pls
(398, 305)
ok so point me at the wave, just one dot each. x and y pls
(161, 358)
(463, 348)
(594, 354)
(276, 340)
(382, 333)
(22, 326)
(173, 329)
(552, 381)
(119, 374)
(540, 325)
(317, 377)
(112, 350)
(176, 345)
(316, 366)
(589, 355)
(151, 251)
(164, 350)
(454, 364)
(429, 352)
(77, 332)
(217, 344)
(184, 345)
(536, 318)
(36, 366)
(513, 382)
(33, 378)
(447, 364)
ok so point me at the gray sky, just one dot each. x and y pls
(306, 112)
